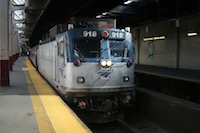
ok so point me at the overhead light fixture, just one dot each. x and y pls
(105, 13)
(127, 2)
(98, 16)
(130, 1)
(154, 38)
(159, 38)
(192, 34)
(148, 39)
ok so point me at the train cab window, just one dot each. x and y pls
(87, 48)
(119, 49)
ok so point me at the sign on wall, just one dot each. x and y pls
(150, 49)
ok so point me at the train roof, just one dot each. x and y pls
(78, 22)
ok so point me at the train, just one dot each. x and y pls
(90, 63)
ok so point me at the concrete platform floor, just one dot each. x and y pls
(23, 108)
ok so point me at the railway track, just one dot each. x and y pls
(114, 127)
(132, 123)
(122, 126)
(153, 113)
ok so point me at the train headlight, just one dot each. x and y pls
(103, 63)
(106, 63)
(80, 80)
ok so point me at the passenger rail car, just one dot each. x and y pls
(91, 67)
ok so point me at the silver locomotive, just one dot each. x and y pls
(91, 65)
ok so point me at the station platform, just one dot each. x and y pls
(180, 74)
(30, 105)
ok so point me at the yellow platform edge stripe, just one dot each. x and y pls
(42, 119)
(61, 117)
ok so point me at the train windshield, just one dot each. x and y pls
(119, 49)
(88, 48)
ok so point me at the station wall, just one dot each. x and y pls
(190, 46)
(176, 50)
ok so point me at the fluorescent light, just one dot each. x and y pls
(192, 34)
(105, 13)
(99, 16)
(127, 2)
(130, 1)
(153, 38)
(156, 38)
(148, 39)
(162, 37)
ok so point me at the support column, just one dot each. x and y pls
(17, 48)
(11, 60)
(4, 43)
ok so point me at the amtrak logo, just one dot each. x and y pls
(104, 74)
(62, 70)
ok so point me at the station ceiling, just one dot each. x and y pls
(137, 13)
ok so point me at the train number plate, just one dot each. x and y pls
(89, 33)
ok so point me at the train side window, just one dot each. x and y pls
(61, 47)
